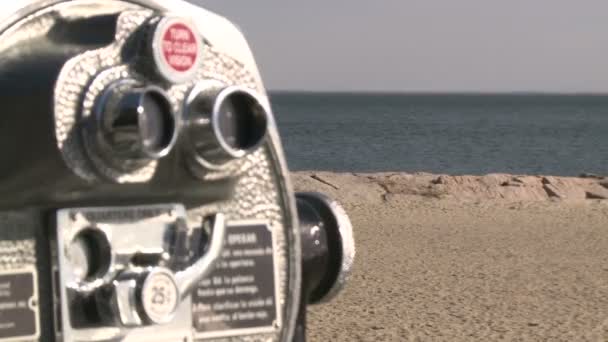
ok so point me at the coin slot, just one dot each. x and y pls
(146, 259)
(90, 254)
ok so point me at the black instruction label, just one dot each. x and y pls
(239, 293)
(18, 305)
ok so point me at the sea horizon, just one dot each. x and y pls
(436, 93)
(450, 133)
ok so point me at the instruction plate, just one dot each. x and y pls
(240, 295)
(19, 316)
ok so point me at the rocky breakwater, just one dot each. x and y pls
(385, 186)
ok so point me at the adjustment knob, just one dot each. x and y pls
(328, 247)
(159, 296)
(134, 124)
(141, 298)
(224, 123)
(152, 295)
(328, 252)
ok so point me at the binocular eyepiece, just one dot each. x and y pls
(144, 193)
(224, 124)
(135, 124)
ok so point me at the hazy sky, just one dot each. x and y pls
(426, 45)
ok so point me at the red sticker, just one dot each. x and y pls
(180, 47)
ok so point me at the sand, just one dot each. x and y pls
(469, 259)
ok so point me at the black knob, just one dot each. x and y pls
(328, 252)
(328, 248)
(224, 123)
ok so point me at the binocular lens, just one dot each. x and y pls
(157, 125)
(224, 123)
(241, 121)
(137, 123)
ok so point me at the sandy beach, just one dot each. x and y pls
(444, 258)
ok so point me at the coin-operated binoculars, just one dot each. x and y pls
(144, 194)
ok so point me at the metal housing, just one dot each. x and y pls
(48, 79)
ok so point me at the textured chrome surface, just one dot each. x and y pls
(16, 254)
(16, 251)
(263, 189)
(81, 82)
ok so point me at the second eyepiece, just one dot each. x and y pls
(223, 124)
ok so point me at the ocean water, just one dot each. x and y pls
(455, 134)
